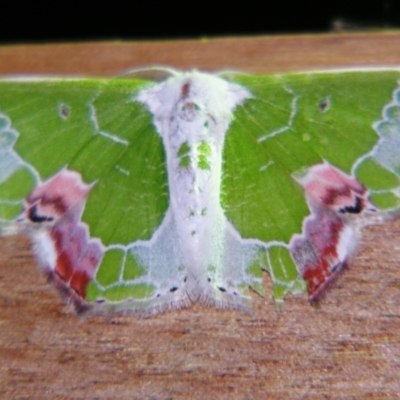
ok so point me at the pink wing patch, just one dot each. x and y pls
(328, 187)
(64, 248)
(329, 235)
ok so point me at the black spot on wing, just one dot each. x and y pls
(34, 217)
(356, 209)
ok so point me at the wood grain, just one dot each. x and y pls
(348, 348)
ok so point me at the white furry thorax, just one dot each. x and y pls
(192, 112)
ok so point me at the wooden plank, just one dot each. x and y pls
(348, 348)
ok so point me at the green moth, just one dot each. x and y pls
(147, 196)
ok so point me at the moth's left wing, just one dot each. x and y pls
(82, 170)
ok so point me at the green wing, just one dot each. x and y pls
(292, 123)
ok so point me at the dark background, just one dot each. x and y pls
(27, 22)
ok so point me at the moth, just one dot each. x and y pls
(147, 196)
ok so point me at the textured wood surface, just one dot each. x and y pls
(348, 348)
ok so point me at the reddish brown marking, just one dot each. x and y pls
(62, 199)
(56, 202)
(64, 267)
(318, 274)
(332, 194)
(78, 255)
(316, 251)
(79, 282)
(57, 238)
(185, 90)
